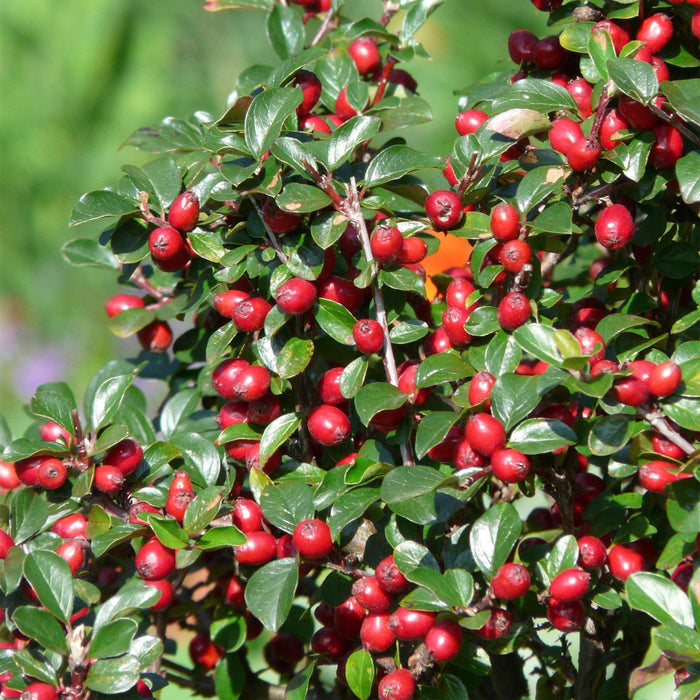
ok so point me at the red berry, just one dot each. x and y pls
(135, 510)
(375, 633)
(413, 250)
(581, 91)
(108, 479)
(513, 311)
(370, 595)
(664, 379)
(521, 45)
(154, 561)
(283, 652)
(618, 35)
(570, 584)
(39, 691)
(566, 616)
(511, 466)
(458, 291)
(180, 493)
(222, 380)
(667, 148)
(52, 473)
(341, 291)
(264, 410)
(347, 618)
(251, 383)
(497, 626)
(122, 302)
(614, 227)
(630, 391)
(234, 593)
(184, 211)
(343, 108)
(469, 121)
(411, 624)
(655, 31)
(637, 115)
(549, 53)
(166, 594)
(312, 539)
(8, 476)
(480, 388)
(511, 581)
(514, 254)
(5, 543)
(397, 685)
(249, 315)
(386, 242)
(583, 154)
(365, 55)
(453, 320)
(443, 640)
(126, 456)
(613, 123)
(624, 561)
(296, 296)
(695, 24)
(438, 341)
(505, 222)
(312, 122)
(654, 475)
(444, 209)
(74, 553)
(368, 336)
(592, 552)
(485, 433)
(280, 221)
(328, 425)
(329, 641)
(328, 388)
(168, 248)
(591, 342)
(71, 526)
(247, 515)
(407, 383)
(204, 652)
(311, 90)
(564, 134)
(260, 548)
(666, 448)
(226, 302)
(156, 337)
(390, 579)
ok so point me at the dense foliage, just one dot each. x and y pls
(485, 489)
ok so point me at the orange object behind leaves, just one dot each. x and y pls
(453, 252)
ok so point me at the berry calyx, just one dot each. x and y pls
(614, 227)
(444, 209)
(397, 685)
(52, 473)
(583, 154)
(168, 249)
(498, 625)
(312, 539)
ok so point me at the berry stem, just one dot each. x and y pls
(674, 121)
(327, 24)
(660, 424)
(603, 102)
(384, 79)
(270, 233)
(469, 177)
(139, 279)
(146, 214)
(353, 211)
(390, 9)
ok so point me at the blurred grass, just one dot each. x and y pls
(78, 78)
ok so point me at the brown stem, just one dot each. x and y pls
(597, 192)
(325, 182)
(674, 121)
(327, 24)
(600, 110)
(390, 9)
(661, 425)
(551, 259)
(139, 279)
(146, 212)
(354, 213)
(270, 233)
(522, 279)
(384, 79)
(469, 177)
(80, 440)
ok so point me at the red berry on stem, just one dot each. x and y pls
(156, 337)
(413, 250)
(637, 115)
(514, 255)
(328, 387)
(370, 595)
(204, 652)
(654, 475)
(168, 248)
(480, 387)
(122, 302)
(375, 633)
(390, 579)
(296, 296)
(666, 448)
(184, 212)
(613, 123)
(278, 220)
(154, 561)
(260, 548)
(108, 479)
(505, 222)
(411, 624)
(564, 134)
(566, 616)
(365, 55)
(453, 320)
(667, 148)
(618, 35)
(249, 315)
(180, 493)
(521, 45)
(655, 31)
(126, 456)
(664, 379)
(513, 311)
(38, 691)
(624, 561)
(386, 243)
(469, 121)
(71, 526)
(614, 227)
(312, 539)
(311, 90)
(166, 591)
(570, 584)
(592, 552)
(485, 433)
(368, 335)
(397, 685)
(251, 383)
(329, 641)
(347, 618)
(581, 91)
(549, 53)
(52, 473)
(511, 466)
(630, 391)
(583, 154)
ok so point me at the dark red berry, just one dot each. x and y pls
(618, 35)
(667, 148)
(204, 652)
(169, 250)
(126, 456)
(180, 493)
(592, 552)
(497, 626)
(341, 291)
(511, 581)
(38, 691)
(328, 387)
(251, 383)
(458, 291)
(5, 543)
(184, 212)
(283, 652)
(624, 561)
(311, 90)
(397, 685)
(637, 115)
(480, 387)
(666, 448)
(280, 221)
(154, 561)
(444, 209)
(549, 53)
(156, 337)
(330, 642)
(347, 618)
(521, 45)
(226, 302)
(566, 616)
(581, 91)
(485, 433)
(389, 578)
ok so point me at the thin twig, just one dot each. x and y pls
(146, 214)
(270, 233)
(660, 424)
(674, 121)
(326, 25)
(390, 9)
(384, 79)
(139, 279)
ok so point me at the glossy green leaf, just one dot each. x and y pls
(359, 672)
(285, 30)
(294, 357)
(56, 402)
(100, 204)
(395, 162)
(538, 340)
(539, 435)
(539, 183)
(513, 398)
(353, 376)
(270, 592)
(683, 96)
(41, 626)
(405, 483)
(350, 506)
(348, 136)
(112, 676)
(493, 536)
(335, 320)
(659, 597)
(200, 455)
(300, 198)
(503, 354)
(441, 368)
(533, 93)
(202, 509)
(134, 595)
(166, 529)
(298, 687)
(29, 512)
(218, 537)
(266, 115)
(375, 397)
(51, 578)
(286, 504)
(112, 639)
(678, 643)
(687, 169)
(683, 506)
(276, 434)
(433, 429)
(610, 434)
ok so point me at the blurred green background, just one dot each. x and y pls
(78, 77)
